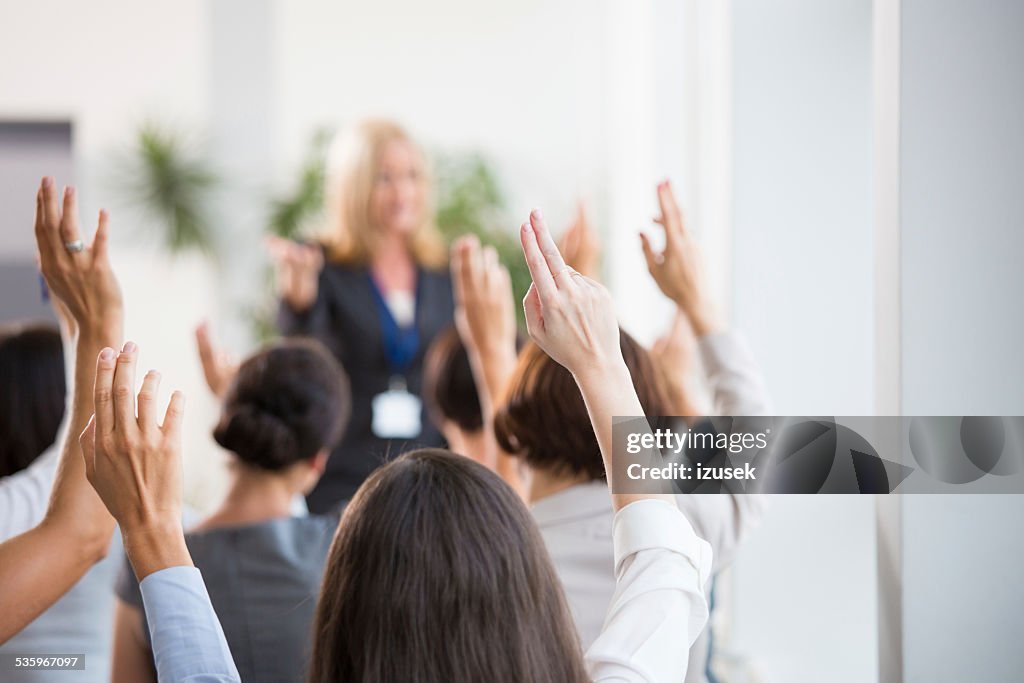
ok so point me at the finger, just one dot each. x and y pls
(174, 416)
(69, 218)
(649, 255)
(468, 266)
(103, 391)
(554, 259)
(504, 281)
(207, 354)
(42, 236)
(532, 309)
(474, 282)
(490, 266)
(51, 209)
(147, 401)
(672, 216)
(539, 270)
(101, 239)
(124, 389)
(318, 257)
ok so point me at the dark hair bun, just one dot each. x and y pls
(286, 404)
(266, 440)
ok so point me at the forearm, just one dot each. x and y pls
(73, 501)
(37, 568)
(608, 392)
(491, 372)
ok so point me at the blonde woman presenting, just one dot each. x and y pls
(375, 291)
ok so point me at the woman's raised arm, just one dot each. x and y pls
(40, 565)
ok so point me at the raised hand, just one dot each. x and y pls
(678, 268)
(569, 315)
(38, 566)
(486, 321)
(77, 273)
(219, 368)
(134, 463)
(572, 319)
(672, 354)
(580, 244)
(298, 271)
(484, 309)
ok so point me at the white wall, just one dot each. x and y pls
(526, 83)
(107, 66)
(805, 584)
(521, 81)
(961, 148)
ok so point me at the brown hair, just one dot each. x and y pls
(545, 421)
(351, 168)
(438, 574)
(32, 393)
(449, 390)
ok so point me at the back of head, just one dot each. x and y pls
(32, 393)
(287, 403)
(449, 390)
(438, 574)
(545, 421)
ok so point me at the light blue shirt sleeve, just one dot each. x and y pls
(188, 642)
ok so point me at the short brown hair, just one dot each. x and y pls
(449, 390)
(438, 574)
(545, 421)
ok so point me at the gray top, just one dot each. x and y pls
(263, 580)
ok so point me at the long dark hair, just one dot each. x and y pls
(438, 574)
(32, 393)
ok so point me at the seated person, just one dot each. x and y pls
(282, 414)
(437, 573)
(541, 417)
(451, 398)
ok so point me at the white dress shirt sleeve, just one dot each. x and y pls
(733, 375)
(659, 607)
(737, 388)
(187, 639)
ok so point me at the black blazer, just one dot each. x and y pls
(346, 319)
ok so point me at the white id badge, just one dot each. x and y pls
(396, 413)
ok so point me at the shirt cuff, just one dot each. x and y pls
(659, 525)
(712, 347)
(186, 635)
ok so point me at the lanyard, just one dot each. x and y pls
(400, 343)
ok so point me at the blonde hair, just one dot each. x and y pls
(351, 169)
